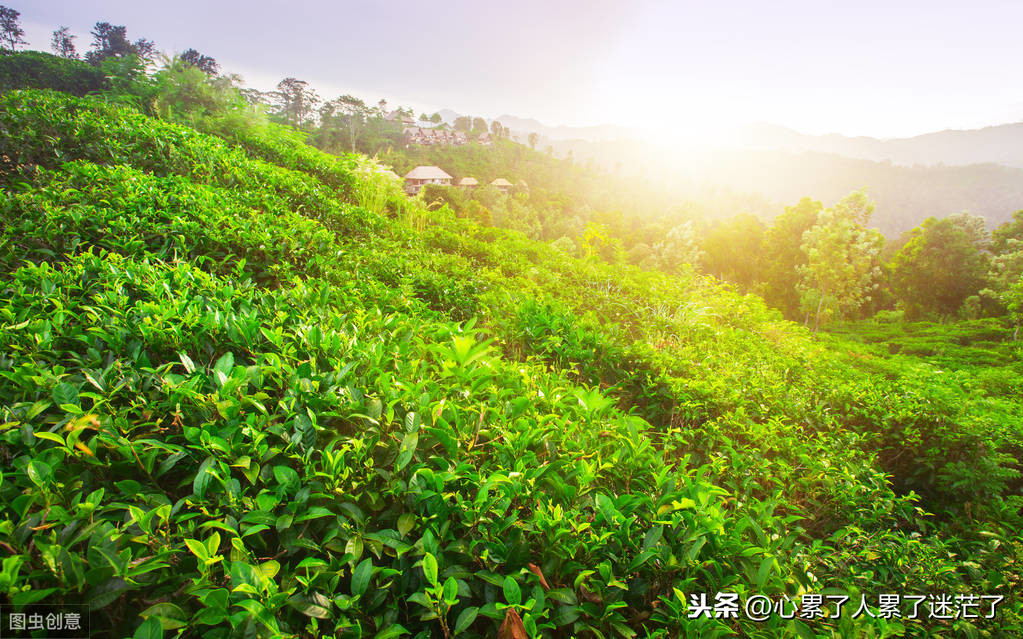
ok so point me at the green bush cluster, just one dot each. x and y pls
(247, 390)
(38, 70)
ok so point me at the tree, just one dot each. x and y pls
(479, 125)
(940, 266)
(1006, 280)
(974, 227)
(463, 123)
(110, 41)
(347, 112)
(496, 129)
(63, 44)
(783, 255)
(1002, 236)
(185, 93)
(479, 213)
(533, 139)
(436, 118)
(11, 33)
(841, 260)
(204, 63)
(255, 97)
(294, 101)
(732, 250)
(679, 247)
(564, 244)
(597, 242)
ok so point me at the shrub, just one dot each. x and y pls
(37, 70)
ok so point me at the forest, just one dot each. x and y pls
(250, 388)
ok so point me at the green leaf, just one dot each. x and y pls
(53, 437)
(430, 568)
(187, 362)
(391, 631)
(683, 503)
(225, 364)
(354, 548)
(405, 523)
(803, 630)
(259, 611)
(411, 422)
(26, 597)
(361, 577)
(202, 477)
(311, 562)
(308, 608)
(465, 619)
(450, 591)
(563, 595)
(512, 592)
(150, 629)
(65, 393)
(407, 449)
(213, 543)
(198, 549)
(39, 472)
(285, 475)
(169, 615)
(421, 599)
(641, 559)
(765, 570)
(36, 408)
(566, 615)
(652, 536)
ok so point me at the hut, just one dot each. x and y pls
(468, 183)
(417, 177)
(502, 184)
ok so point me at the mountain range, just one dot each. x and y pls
(910, 179)
(1002, 144)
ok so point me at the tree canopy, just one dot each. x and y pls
(11, 33)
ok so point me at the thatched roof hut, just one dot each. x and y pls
(417, 177)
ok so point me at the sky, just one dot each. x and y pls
(883, 69)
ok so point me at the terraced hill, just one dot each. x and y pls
(249, 389)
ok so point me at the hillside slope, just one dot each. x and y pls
(249, 389)
(990, 145)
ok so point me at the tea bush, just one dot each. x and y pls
(247, 389)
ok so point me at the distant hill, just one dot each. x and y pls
(938, 174)
(905, 195)
(593, 133)
(1001, 144)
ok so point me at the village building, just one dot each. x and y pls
(468, 183)
(502, 185)
(398, 118)
(433, 137)
(417, 177)
(484, 139)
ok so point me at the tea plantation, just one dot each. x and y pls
(249, 389)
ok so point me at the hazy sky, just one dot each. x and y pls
(859, 68)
